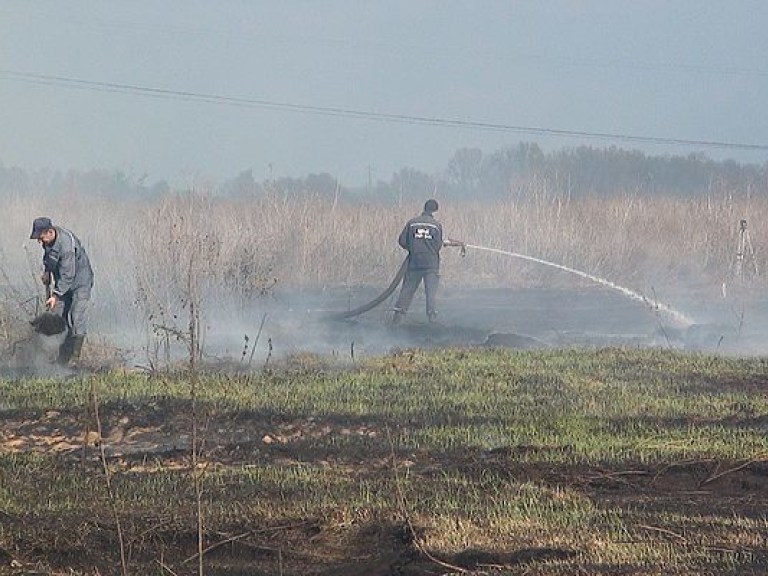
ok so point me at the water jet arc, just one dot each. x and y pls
(673, 314)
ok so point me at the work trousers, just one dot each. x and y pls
(73, 307)
(414, 277)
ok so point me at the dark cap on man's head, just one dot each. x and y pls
(39, 226)
(430, 205)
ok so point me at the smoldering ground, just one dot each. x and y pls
(35, 354)
(144, 285)
(578, 309)
(294, 322)
(250, 333)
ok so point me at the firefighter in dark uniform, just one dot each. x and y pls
(423, 237)
(67, 267)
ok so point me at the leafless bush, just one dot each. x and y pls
(18, 305)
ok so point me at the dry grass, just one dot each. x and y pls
(318, 241)
(244, 248)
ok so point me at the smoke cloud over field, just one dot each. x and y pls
(247, 279)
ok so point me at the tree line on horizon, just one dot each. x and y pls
(469, 174)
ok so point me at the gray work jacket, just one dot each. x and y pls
(422, 236)
(68, 263)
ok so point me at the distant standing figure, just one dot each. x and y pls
(67, 267)
(423, 237)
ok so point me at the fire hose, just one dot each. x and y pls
(376, 301)
(674, 315)
(384, 295)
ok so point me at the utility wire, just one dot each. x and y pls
(78, 83)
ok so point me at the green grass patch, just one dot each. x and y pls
(619, 459)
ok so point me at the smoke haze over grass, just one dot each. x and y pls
(291, 257)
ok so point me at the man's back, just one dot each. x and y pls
(422, 236)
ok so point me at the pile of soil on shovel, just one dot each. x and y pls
(48, 324)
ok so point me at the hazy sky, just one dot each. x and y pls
(668, 69)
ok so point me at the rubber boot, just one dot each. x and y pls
(66, 349)
(77, 348)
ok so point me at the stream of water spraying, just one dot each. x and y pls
(673, 314)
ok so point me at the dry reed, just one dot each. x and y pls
(245, 248)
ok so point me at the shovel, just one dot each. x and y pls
(48, 323)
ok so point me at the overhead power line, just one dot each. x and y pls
(149, 91)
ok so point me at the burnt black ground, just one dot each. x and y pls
(523, 318)
(302, 322)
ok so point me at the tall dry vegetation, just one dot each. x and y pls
(637, 241)
(249, 246)
(143, 252)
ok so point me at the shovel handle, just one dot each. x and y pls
(48, 290)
